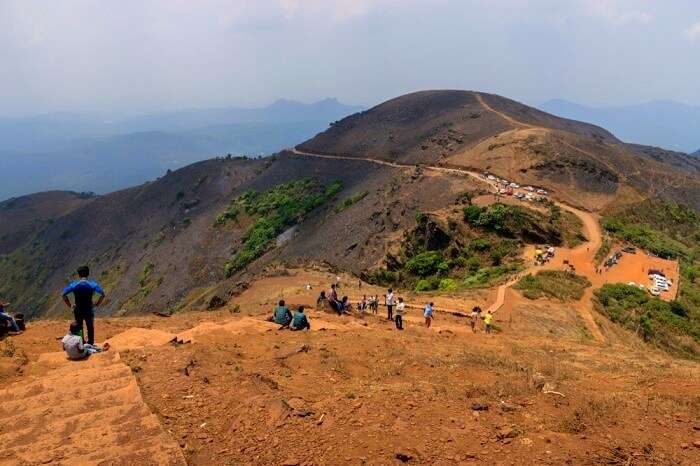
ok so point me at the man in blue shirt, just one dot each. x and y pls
(84, 310)
(5, 316)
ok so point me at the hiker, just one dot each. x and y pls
(321, 298)
(363, 305)
(389, 301)
(300, 321)
(474, 317)
(7, 319)
(399, 314)
(334, 301)
(428, 314)
(282, 315)
(344, 305)
(84, 310)
(488, 321)
(75, 348)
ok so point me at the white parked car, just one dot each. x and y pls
(529, 188)
(491, 177)
(542, 191)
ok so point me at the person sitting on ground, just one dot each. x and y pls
(7, 319)
(300, 321)
(488, 321)
(344, 305)
(282, 315)
(83, 291)
(428, 314)
(75, 348)
(400, 306)
(333, 300)
(474, 317)
(321, 299)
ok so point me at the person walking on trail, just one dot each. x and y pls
(282, 315)
(400, 306)
(389, 300)
(474, 317)
(83, 291)
(428, 314)
(488, 321)
(300, 321)
(75, 348)
(6, 317)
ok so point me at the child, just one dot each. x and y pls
(488, 321)
(300, 322)
(428, 314)
(75, 348)
(399, 313)
(474, 317)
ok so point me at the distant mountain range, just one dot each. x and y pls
(102, 153)
(666, 124)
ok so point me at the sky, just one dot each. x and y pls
(150, 55)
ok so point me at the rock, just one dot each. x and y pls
(696, 444)
(508, 407)
(291, 462)
(506, 432)
(403, 457)
(216, 302)
(538, 380)
(549, 387)
(525, 441)
(480, 407)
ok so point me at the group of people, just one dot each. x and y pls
(83, 290)
(396, 307)
(283, 316)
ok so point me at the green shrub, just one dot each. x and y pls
(425, 263)
(349, 201)
(472, 213)
(275, 210)
(447, 284)
(426, 285)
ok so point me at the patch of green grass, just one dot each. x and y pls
(553, 284)
(489, 276)
(274, 211)
(603, 250)
(350, 201)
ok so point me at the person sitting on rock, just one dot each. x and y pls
(282, 315)
(300, 321)
(333, 300)
(7, 319)
(75, 348)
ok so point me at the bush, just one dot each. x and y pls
(426, 285)
(425, 263)
(276, 209)
(349, 201)
(447, 284)
(472, 214)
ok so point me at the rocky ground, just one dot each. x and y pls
(236, 390)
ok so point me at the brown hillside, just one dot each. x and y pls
(22, 216)
(585, 164)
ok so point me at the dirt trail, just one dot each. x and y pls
(508, 118)
(82, 412)
(586, 250)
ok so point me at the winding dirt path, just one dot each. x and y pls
(584, 253)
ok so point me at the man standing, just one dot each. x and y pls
(428, 314)
(84, 310)
(390, 304)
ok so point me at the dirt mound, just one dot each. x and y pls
(139, 337)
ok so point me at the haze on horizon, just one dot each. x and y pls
(152, 55)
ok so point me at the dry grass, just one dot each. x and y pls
(599, 411)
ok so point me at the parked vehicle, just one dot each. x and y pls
(629, 250)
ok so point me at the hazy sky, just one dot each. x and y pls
(146, 55)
